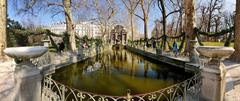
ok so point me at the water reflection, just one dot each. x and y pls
(115, 71)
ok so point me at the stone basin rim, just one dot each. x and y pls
(214, 47)
(25, 52)
(26, 47)
(215, 51)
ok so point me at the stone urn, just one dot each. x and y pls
(213, 88)
(215, 52)
(22, 56)
(27, 77)
(25, 53)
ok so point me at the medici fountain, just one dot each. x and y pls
(127, 74)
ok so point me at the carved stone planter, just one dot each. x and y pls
(214, 72)
(27, 75)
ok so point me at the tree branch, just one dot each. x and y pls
(139, 16)
(175, 11)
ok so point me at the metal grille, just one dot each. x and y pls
(188, 90)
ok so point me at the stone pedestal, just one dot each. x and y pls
(213, 73)
(213, 79)
(27, 75)
(27, 82)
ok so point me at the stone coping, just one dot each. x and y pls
(50, 68)
(191, 67)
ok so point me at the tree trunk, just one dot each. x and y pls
(132, 25)
(209, 22)
(3, 27)
(236, 55)
(164, 21)
(189, 23)
(145, 30)
(69, 24)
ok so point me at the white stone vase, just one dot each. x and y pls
(25, 53)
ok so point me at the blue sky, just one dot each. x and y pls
(44, 18)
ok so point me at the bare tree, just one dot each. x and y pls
(228, 19)
(69, 24)
(104, 15)
(145, 7)
(162, 8)
(157, 29)
(214, 7)
(65, 7)
(131, 6)
(28, 24)
(3, 27)
(203, 22)
(57, 7)
(236, 55)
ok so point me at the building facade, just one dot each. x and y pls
(81, 29)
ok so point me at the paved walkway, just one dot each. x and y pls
(7, 81)
(233, 81)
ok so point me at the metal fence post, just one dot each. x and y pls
(185, 91)
(129, 97)
(63, 93)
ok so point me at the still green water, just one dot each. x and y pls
(115, 71)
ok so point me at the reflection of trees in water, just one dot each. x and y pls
(133, 69)
(161, 70)
(146, 66)
(125, 55)
(127, 62)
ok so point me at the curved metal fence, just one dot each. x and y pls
(188, 90)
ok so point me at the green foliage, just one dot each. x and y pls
(228, 41)
(214, 34)
(18, 36)
(13, 24)
(98, 42)
(52, 49)
(66, 40)
(85, 39)
(216, 44)
(12, 37)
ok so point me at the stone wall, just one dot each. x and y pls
(166, 59)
